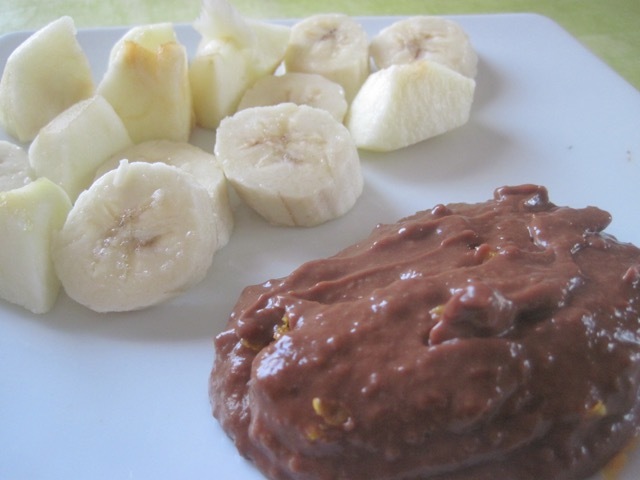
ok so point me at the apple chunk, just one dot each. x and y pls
(233, 54)
(405, 104)
(69, 149)
(15, 171)
(45, 75)
(147, 83)
(29, 217)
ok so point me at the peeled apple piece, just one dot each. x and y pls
(141, 234)
(69, 149)
(29, 217)
(293, 164)
(202, 165)
(264, 43)
(405, 104)
(43, 76)
(147, 83)
(335, 46)
(15, 171)
(233, 53)
(425, 38)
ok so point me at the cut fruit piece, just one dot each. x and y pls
(233, 53)
(425, 38)
(140, 235)
(405, 104)
(15, 171)
(44, 76)
(335, 46)
(202, 165)
(147, 83)
(29, 217)
(299, 88)
(293, 164)
(69, 149)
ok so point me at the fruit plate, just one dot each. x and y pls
(85, 395)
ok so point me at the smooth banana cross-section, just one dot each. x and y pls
(293, 164)
(299, 88)
(141, 234)
(335, 46)
(15, 170)
(425, 38)
(192, 159)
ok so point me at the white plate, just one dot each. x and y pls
(124, 396)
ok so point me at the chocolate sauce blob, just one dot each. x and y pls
(467, 342)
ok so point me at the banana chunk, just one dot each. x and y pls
(425, 38)
(141, 234)
(293, 164)
(299, 88)
(335, 46)
(15, 170)
(202, 165)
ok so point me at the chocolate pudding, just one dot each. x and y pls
(497, 340)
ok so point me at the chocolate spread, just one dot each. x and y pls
(497, 340)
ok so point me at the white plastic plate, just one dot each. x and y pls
(124, 396)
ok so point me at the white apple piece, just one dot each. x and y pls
(141, 234)
(29, 217)
(147, 83)
(15, 170)
(233, 53)
(425, 38)
(69, 149)
(300, 88)
(293, 164)
(202, 165)
(43, 76)
(405, 104)
(335, 46)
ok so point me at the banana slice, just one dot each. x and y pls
(295, 165)
(425, 38)
(202, 165)
(139, 235)
(333, 45)
(15, 170)
(299, 88)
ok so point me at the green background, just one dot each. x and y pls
(609, 28)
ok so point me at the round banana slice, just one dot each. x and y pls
(299, 88)
(295, 165)
(335, 46)
(141, 234)
(425, 38)
(193, 160)
(15, 170)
